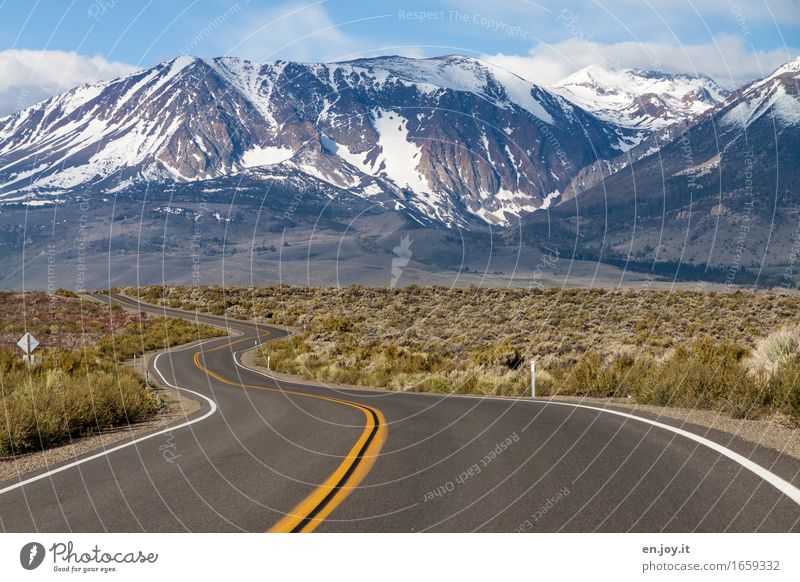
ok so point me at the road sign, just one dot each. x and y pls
(27, 343)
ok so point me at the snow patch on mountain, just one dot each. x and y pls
(792, 66)
(549, 199)
(266, 156)
(399, 157)
(459, 73)
(520, 92)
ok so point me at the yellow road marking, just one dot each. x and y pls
(294, 520)
(352, 470)
(357, 465)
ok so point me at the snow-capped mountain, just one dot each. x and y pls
(720, 201)
(774, 99)
(452, 138)
(750, 121)
(729, 183)
(642, 100)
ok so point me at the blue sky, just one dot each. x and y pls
(50, 45)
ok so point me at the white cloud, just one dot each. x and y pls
(29, 76)
(728, 59)
(298, 32)
(292, 32)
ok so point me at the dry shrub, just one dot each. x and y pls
(43, 409)
(784, 389)
(708, 375)
(775, 350)
(591, 376)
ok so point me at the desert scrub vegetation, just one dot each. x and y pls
(706, 374)
(77, 391)
(670, 348)
(41, 410)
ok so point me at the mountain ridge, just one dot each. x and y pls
(451, 139)
(452, 136)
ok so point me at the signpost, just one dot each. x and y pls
(27, 344)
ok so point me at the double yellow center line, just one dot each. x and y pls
(318, 505)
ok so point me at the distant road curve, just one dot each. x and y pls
(265, 454)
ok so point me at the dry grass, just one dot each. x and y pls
(42, 410)
(775, 350)
(58, 320)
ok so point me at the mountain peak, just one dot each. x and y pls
(775, 97)
(639, 98)
(586, 75)
(792, 66)
(183, 60)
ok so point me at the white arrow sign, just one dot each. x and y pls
(28, 343)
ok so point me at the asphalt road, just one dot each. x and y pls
(263, 454)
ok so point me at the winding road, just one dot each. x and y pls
(264, 454)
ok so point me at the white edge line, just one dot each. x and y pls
(211, 403)
(779, 483)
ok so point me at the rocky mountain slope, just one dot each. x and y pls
(454, 139)
(726, 191)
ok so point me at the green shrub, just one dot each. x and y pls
(591, 376)
(707, 375)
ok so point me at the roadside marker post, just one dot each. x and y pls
(533, 378)
(144, 369)
(27, 343)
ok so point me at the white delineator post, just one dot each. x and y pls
(533, 378)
